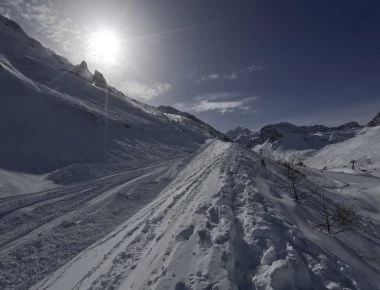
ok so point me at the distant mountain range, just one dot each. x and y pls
(320, 146)
(289, 136)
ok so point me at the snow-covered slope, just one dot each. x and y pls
(364, 148)
(191, 122)
(226, 222)
(55, 114)
(149, 215)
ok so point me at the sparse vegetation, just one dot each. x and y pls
(342, 218)
(294, 175)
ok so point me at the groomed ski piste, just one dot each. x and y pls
(227, 222)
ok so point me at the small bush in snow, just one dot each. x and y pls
(342, 218)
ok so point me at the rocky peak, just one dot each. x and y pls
(239, 132)
(13, 25)
(83, 65)
(168, 110)
(81, 70)
(99, 80)
(375, 121)
(349, 125)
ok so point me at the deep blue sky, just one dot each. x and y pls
(231, 63)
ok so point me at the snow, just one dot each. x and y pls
(225, 222)
(146, 200)
(41, 231)
(363, 148)
(285, 137)
(14, 183)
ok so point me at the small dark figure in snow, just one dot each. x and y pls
(353, 164)
(263, 162)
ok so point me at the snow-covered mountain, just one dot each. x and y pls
(364, 149)
(54, 114)
(332, 148)
(288, 136)
(191, 122)
(244, 136)
(139, 200)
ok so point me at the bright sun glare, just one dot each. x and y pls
(103, 47)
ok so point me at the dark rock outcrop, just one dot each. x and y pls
(375, 121)
(99, 80)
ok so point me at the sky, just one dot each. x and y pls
(230, 63)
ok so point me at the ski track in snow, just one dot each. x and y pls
(223, 223)
(76, 213)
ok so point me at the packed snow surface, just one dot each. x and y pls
(227, 222)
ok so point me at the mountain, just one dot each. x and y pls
(288, 136)
(363, 148)
(104, 192)
(375, 121)
(191, 122)
(332, 148)
(243, 136)
(55, 114)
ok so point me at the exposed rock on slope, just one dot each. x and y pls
(81, 70)
(244, 136)
(99, 80)
(375, 121)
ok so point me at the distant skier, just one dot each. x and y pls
(263, 162)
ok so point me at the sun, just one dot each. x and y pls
(103, 47)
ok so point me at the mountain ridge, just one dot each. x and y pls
(96, 122)
(274, 133)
